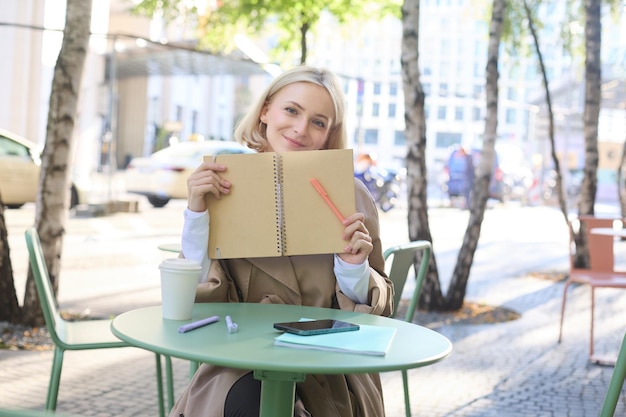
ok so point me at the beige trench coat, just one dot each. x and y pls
(299, 280)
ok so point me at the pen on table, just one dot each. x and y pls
(231, 326)
(191, 326)
(327, 199)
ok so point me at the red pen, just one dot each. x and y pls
(328, 201)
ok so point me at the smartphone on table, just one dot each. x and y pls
(312, 327)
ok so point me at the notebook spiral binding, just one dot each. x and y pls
(281, 238)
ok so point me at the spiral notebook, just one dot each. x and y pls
(274, 210)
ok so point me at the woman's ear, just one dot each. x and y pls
(263, 116)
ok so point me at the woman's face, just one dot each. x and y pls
(298, 118)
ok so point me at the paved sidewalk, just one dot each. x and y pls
(505, 369)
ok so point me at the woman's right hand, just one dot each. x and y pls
(205, 179)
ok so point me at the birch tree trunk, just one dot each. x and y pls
(9, 306)
(480, 192)
(555, 160)
(591, 114)
(593, 42)
(53, 199)
(621, 183)
(415, 133)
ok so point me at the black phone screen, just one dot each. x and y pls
(310, 327)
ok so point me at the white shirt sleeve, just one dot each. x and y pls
(353, 279)
(195, 239)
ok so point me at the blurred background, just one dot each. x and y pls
(147, 87)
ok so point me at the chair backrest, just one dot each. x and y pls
(404, 257)
(47, 298)
(601, 257)
(616, 384)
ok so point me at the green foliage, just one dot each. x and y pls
(284, 22)
(516, 32)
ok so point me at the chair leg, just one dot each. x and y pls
(55, 379)
(169, 378)
(159, 383)
(407, 402)
(591, 333)
(563, 310)
(193, 367)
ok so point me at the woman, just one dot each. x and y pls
(302, 109)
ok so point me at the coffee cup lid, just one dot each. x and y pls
(180, 263)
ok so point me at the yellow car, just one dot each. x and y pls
(20, 164)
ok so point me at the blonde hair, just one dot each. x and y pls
(251, 132)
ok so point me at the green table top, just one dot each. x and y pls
(252, 347)
(170, 247)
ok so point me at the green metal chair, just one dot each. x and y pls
(616, 384)
(403, 258)
(76, 335)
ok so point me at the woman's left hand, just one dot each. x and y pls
(359, 240)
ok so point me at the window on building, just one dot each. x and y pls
(371, 136)
(444, 68)
(399, 139)
(479, 70)
(441, 112)
(395, 66)
(447, 139)
(445, 43)
(194, 121)
(375, 109)
(393, 89)
(511, 93)
(476, 114)
(458, 113)
(511, 116)
(392, 110)
(377, 89)
(443, 89)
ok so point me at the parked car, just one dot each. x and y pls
(20, 164)
(456, 178)
(163, 175)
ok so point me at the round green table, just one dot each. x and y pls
(252, 347)
(170, 247)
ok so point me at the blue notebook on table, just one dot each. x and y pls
(368, 340)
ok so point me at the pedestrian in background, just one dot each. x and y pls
(468, 183)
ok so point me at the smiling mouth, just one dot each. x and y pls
(293, 141)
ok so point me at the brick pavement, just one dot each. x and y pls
(505, 369)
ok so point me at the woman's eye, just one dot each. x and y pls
(319, 123)
(290, 110)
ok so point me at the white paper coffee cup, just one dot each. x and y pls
(179, 279)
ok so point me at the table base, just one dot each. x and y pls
(278, 390)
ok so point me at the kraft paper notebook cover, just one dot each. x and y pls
(274, 210)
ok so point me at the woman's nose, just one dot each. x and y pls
(300, 126)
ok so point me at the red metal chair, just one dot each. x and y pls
(601, 273)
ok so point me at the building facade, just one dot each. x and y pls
(140, 92)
